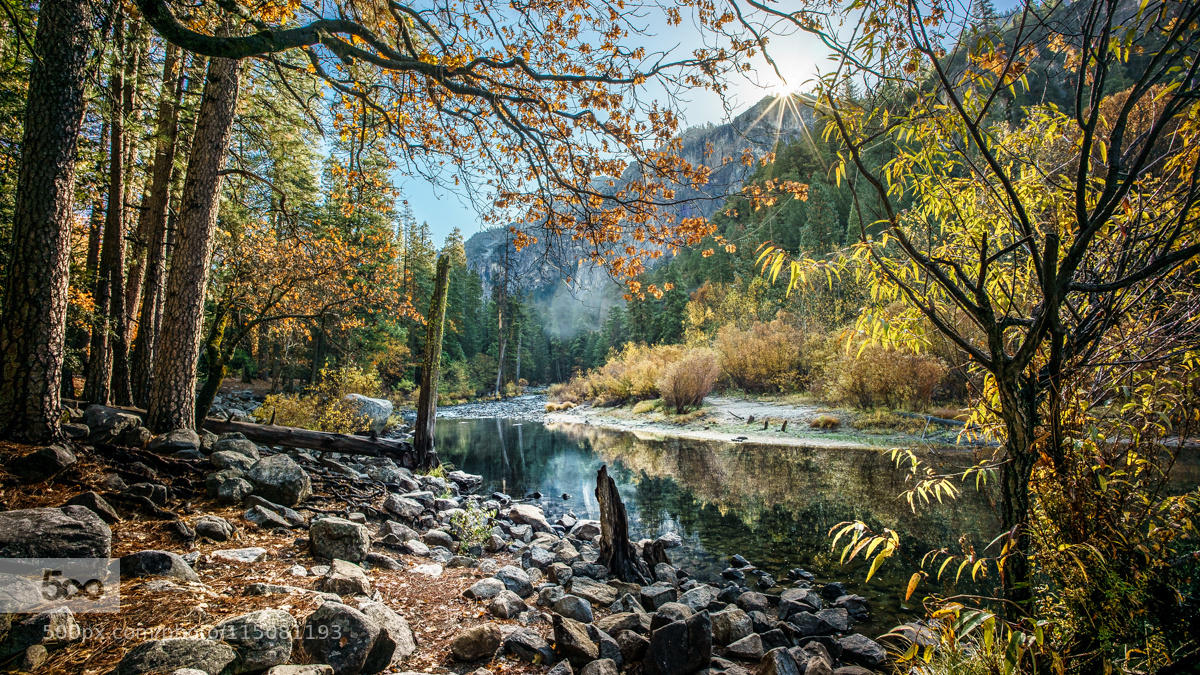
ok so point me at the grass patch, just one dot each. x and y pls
(825, 422)
(643, 407)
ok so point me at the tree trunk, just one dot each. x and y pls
(216, 358)
(172, 390)
(154, 216)
(35, 295)
(1018, 408)
(500, 351)
(431, 367)
(616, 552)
(109, 330)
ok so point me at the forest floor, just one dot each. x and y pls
(785, 420)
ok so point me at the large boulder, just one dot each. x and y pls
(339, 636)
(228, 486)
(862, 650)
(261, 639)
(345, 578)
(157, 564)
(280, 479)
(338, 538)
(572, 642)
(374, 411)
(475, 643)
(175, 441)
(680, 647)
(516, 580)
(64, 532)
(395, 642)
(107, 424)
(164, 656)
(528, 514)
(43, 463)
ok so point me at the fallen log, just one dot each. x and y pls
(292, 437)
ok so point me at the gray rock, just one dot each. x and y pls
(395, 642)
(54, 627)
(536, 556)
(506, 605)
(632, 645)
(379, 561)
(250, 554)
(779, 661)
(572, 642)
(438, 538)
(261, 639)
(753, 601)
(593, 591)
(862, 650)
(657, 594)
(856, 605)
(586, 530)
(345, 578)
(699, 598)
(528, 514)
(573, 607)
(527, 645)
(265, 518)
(319, 669)
(516, 580)
(97, 504)
(475, 643)
(236, 445)
(339, 538)
(289, 514)
(213, 527)
(615, 623)
(43, 463)
(280, 479)
(485, 589)
(227, 459)
(228, 486)
(374, 411)
(669, 613)
(749, 648)
(157, 656)
(174, 441)
(730, 625)
(157, 563)
(339, 636)
(837, 617)
(65, 532)
(680, 647)
(600, 667)
(403, 507)
(106, 424)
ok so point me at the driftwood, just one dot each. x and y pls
(292, 437)
(616, 552)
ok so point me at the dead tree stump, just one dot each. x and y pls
(616, 552)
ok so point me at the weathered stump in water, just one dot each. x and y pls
(616, 551)
(431, 369)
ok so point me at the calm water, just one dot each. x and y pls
(773, 505)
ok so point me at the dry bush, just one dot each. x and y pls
(686, 382)
(631, 374)
(874, 375)
(642, 407)
(764, 356)
(320, 406)
(825, 422)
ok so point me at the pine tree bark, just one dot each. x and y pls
(78, 337)
(431, 367)
(154, 222)
(109, 329)
(35, 296)
(171, 404)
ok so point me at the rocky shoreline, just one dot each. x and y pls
(250, 559)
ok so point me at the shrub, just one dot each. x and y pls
(642, 407)
(825, 422)
(631, 374)
(762, 357)
(686, 382)
(870, 375)
(320, 406)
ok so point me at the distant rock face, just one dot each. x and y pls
(375, 410)
(66, 532)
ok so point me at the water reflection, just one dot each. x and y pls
(773, 505)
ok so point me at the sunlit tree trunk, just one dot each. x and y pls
(171, 404)
(35, 295)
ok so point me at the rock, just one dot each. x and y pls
(593, 591)
(261, 639)
(572, 642)
(670, 540)
(799, 596)
(96, 504)
(228, 486)
(226, 459)
(265, 518)
(600, 667)
(403, 507)
(250, 554)
(862, 650)
(374, 411)
(280, 479)
(43, 463)
(615, 623)
(699, 598)
(779, 661)
(609, 649)
(680, 647)
(813, 659)
(55, 627)
(417, 547)
(339, 636)
(65, 532)
(438, 538)
(749, 648)
(106, 424)
(237, 445)
(320, 669)
(475, 643)
(560, 573)
(856, 605)
(215, 528)
(395, 642)
(775, 637)
(669, 613)
(345, 578)
(157, 563)
(516, 580)
(657, 594)
(731, 625)
(536, 556)
(157, 656)
(506, 605)
(753, 601)
(528, 514)
(586, 530)
(339, 538)
(174, 441)
(292, 516)
(527, 645)
(379, 561)
(837, 617)
(467, 482)
(573, 607)
(632, 646)
(852, 670)
(75, 431)
(485, 589)
(428, 569)
(36, 655)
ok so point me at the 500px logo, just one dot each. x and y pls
(84, 585)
